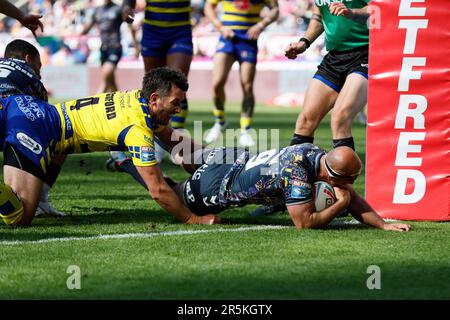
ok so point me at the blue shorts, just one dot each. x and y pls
(32, 127)
(243, 49)
(160, 42)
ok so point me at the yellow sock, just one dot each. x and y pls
(245, 123)
(219, 115)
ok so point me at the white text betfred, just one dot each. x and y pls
(410, 106)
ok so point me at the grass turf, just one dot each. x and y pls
(270, 264)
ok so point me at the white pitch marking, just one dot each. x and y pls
(141, 235)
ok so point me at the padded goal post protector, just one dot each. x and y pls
(408, 130)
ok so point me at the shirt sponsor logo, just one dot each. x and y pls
(300, 192)
(66, 120)
(189, 195)
(147, 154)
(29, 108)
(29, 143)
(148, 139)
(321, 3)
(299, 183)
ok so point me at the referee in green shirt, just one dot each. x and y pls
(341, 79)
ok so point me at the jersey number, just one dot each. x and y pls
(263, 157)
(80, 103)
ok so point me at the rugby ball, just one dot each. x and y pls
(324, 195)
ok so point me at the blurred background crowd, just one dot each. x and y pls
(63, 21)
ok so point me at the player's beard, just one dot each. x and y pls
(160, 116)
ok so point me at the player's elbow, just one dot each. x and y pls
(307, 224)
(304, 225)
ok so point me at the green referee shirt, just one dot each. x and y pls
(341, 33)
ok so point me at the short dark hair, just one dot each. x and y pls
(19, 49)
(160, 80)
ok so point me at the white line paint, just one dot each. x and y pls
(141, 235)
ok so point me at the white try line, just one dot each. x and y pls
(142, 235)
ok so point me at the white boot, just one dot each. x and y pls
(45, 207)
(116, 156)
(246, 140)
(215, 132)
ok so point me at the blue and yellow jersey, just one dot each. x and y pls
(109, 121)
(240, 14)
(168, 13)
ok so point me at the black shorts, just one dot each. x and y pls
(200, 192)
(110, 55)
(337, 65)
(14, 158)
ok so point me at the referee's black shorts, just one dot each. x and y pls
(337, 65)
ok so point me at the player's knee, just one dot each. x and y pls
(11, 207)
(307, 122)
(247, 88)
(341, 121)
(218, 86)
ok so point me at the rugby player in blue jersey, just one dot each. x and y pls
(20, 74)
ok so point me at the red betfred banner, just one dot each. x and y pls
(408, 131)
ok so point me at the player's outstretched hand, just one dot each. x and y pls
(396, 227)
(210, 219)
(339, 9)
(206, 219)
(32, 22)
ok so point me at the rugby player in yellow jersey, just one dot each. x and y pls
(240, 26)
(35, 131)
(167, 41)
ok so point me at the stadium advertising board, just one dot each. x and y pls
(408, 132)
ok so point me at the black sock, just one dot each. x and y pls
(53, 171)
(349, 142)
(299, 139)
(128, 167)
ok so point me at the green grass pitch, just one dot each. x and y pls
(255, 264)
